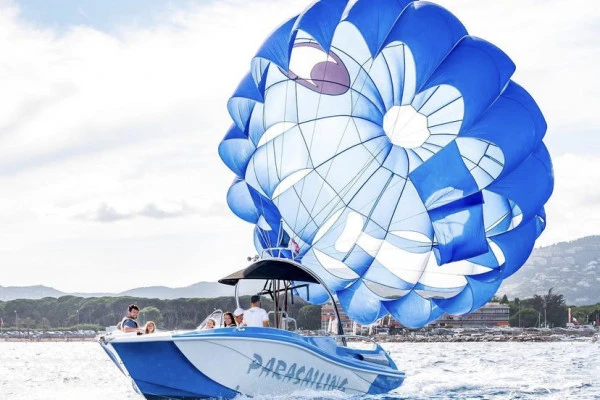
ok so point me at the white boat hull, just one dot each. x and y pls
(251, 361)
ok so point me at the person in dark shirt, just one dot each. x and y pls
(129, 323)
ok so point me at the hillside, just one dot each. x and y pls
(28, 292)
(570, 268)
(196, 290)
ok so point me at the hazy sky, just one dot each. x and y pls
(111, 113)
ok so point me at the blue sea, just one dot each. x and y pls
(558, 370)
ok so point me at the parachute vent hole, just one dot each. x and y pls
(405, 126)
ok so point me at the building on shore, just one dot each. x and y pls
(328, 319)
(489, 316)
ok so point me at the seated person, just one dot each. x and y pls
(229, 320)
(256, 316)
(238, 316)
(129, 323)
(150, 327)
(210, 324)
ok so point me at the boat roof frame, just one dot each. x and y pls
(280, 269)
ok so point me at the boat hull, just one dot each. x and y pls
(252, 361)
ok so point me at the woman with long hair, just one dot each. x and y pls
(150, 327)
(228, 320)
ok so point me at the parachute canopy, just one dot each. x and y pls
(389, 152)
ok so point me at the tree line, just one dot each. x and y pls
(548, 310)
(96, 313)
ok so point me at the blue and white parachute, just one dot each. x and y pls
(392, 154)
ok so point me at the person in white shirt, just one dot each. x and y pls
(238, 315)
(256, 316)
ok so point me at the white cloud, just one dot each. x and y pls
(573, 210)
(555, 48)
(125, 126)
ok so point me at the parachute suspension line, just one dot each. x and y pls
(263, 235)
(365, 167)
(429, 97)
(478, 162)
(278, 166)
(349, 185)
(375, 202)
(403, 84)
(345, 189)
(308, 159)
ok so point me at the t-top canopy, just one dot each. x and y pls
(269, 269)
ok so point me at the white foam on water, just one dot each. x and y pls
(559, 370)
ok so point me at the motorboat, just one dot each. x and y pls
(226, 362)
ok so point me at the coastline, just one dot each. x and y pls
(408, 338)
(36, 340)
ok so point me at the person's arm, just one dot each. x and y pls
(266, 320)
(129, 329)
(129, 326)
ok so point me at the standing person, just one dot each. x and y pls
(238, 316)
(129, 323)
(256, 316)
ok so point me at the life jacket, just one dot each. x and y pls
(120, 324)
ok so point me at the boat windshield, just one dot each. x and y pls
(216, 316)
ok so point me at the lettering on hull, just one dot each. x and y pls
(295, 373)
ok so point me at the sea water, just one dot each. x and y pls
(558, 370)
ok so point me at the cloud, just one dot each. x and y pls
(152, 211)
(109, 214)
(573, 211)
(123, 127)
(106, 213)
(555, 48)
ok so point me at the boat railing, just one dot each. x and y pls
(355, 341)
(276, 252)
(285, 322)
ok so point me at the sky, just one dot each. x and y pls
(111, 114)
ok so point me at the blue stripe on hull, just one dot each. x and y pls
(160, 369)
(384, 384)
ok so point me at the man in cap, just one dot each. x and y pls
(238, 315)
(256, 316)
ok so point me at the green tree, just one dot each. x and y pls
(309, 317)
(528, 318)
(504, 300)
(150, 313)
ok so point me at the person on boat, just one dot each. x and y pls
(238, 316)
(150, 327)
(229, 320)
(210, 324)
(129, 323)
(256, 316)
